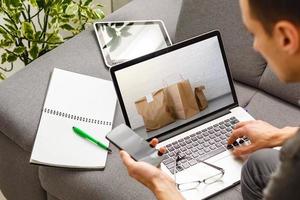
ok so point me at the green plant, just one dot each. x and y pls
(31, 28)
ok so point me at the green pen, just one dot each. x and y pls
(84, 135)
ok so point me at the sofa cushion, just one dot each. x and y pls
(22, 95)
(50, 197)
(18, 179)
(111, 184)
(287, 92)
(244, 93)
(200, 16)
(273, 110)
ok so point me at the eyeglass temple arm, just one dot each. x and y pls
(214, 166)
(178, 158)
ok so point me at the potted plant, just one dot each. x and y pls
(32, 28)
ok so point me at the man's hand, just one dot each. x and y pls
(261, 135)
(156, 180)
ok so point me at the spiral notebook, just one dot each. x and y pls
(74, 100)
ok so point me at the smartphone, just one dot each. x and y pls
(126, 139)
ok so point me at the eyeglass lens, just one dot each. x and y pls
(194, 184)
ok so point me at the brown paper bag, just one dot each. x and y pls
(157, 113)
(183, 100)
(200, 98)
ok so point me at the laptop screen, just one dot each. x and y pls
(174, 87)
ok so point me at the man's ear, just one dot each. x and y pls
(287, 36)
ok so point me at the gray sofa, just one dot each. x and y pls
(22, 96)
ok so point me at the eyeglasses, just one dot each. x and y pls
(194, 184)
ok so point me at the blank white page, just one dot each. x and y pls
(74, 100)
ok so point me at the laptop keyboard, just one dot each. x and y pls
(200, 146)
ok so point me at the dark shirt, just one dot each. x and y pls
(285, 182)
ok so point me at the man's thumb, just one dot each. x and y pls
(239, 151)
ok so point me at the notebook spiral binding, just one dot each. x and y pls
(75, 117)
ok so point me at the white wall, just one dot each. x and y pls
(116, 4)
(201, 64)
(107, 9)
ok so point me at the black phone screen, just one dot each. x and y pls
(126, 139)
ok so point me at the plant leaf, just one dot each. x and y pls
(19, 50)
(11, 28)
(41, 3)
(72, 9)
(67, 27)
(5, 43)
(16, 15)
(11, 57)
(34, 51)
(15, 3)
(2, 76)
(37, 35)
(8, 39)
(66, 1)
(62, 16)
(3, 58)
(87, 2)
(55, 38)
(18, 33)
(8, 20)
(27, 30)
(2, 31)
(99, 13)
(33, 3)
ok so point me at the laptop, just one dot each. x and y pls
(199, 139)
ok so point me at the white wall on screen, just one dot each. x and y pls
(200, 63)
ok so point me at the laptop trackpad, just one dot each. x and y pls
(232, 175)
(200, 172)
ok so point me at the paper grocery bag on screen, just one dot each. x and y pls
(200, 98)
(155, 110)
(183, 100)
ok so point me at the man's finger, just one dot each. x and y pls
(241, 124)
(162, 151)
(127, 160)
(238, 133)
(154, 142)
(239, 151)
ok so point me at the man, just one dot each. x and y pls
(268, 173)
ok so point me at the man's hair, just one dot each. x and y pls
(269, 12)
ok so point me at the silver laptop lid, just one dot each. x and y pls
(164, 93)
